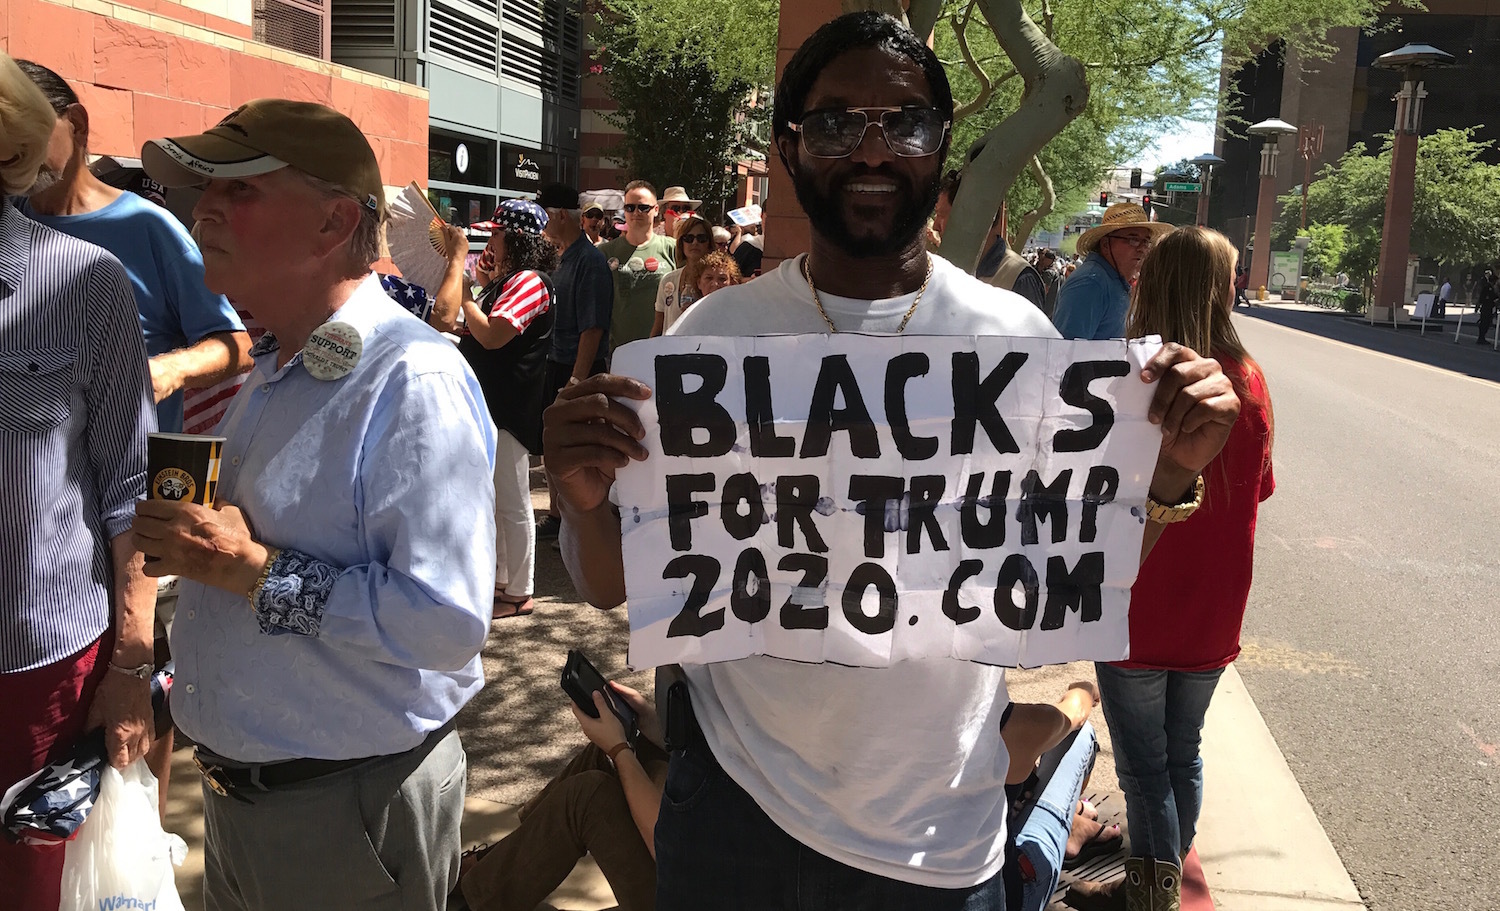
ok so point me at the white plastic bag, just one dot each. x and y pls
(122, 859)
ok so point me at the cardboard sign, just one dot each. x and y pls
(867, 500)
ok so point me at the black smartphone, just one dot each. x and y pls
(580, 680)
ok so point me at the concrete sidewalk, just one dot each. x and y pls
(1261, 845)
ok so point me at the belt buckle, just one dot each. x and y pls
(210, 774)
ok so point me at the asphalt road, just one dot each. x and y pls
(1371, 643)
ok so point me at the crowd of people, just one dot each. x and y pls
(374, 517)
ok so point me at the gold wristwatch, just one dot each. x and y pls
(1167, 513)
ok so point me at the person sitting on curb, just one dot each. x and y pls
(604, 803)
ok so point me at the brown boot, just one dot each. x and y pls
(1129, 893)
(1166, 886)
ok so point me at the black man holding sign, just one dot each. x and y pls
(869, 786)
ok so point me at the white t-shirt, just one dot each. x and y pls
(672, 297)
(898, 771)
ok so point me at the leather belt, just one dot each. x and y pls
(227, 781)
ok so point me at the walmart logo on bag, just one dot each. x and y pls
(117, 902)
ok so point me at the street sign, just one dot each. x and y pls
(1184, 187)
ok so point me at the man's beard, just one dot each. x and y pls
(46, 179)
(827, 218)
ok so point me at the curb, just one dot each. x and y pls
(1261, 844)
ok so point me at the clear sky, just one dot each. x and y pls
(1189, 139)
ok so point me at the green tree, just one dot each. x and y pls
(1106, 74)
(685, 77)
(1455, 212)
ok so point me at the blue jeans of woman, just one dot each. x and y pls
(1156, 724)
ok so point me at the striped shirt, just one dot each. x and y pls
(203, 409)
(522, 299)
(75, 409)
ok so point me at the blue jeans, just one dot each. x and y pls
(716, 849)
(1156, 723)
(1041, 834)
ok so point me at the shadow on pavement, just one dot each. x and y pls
(1435, 349)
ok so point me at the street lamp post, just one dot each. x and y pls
(1206, 164)
(1260, 261)
(1395, 235)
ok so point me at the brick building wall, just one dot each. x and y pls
(151, 68)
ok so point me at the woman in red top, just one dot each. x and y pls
(1189, 598)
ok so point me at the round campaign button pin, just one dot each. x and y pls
(332, 351)
(652, 264)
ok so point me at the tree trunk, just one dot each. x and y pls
(1044, 208)
(1057, 91)
(919, 15)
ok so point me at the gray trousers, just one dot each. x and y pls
(381, 836)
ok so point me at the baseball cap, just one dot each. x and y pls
(266, 135)
(515, 215)
(557, 196)
(593, 207)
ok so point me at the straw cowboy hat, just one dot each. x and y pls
(678, 194)
(1118, 217)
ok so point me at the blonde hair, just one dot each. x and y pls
(26, 120)
(1185, 294)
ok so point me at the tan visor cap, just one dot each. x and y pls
(266, 135)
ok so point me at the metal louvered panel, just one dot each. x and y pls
(521, 60)
(562, 29)
(364, 24)
(463, 36)
(525, 14)
(292, 25)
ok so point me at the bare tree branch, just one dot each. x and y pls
(1043, 208)
(1057, 91)
(960, 23)
(1047, 20)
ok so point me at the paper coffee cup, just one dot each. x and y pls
(183, 466)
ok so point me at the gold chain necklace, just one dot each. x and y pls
(807, 275)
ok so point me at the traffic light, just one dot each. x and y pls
(1146, 204)
(1135, 178)
(1104, 199)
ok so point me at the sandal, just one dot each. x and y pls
(512, 607)
(1107, 840)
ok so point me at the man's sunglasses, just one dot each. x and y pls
(910, 132)
(701, 238)
(634, 207)
(593, 215)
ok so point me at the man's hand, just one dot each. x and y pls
(211, 546)
(1196, 408)
(645, 713)
(122, 705)
(166, 379)
(605, 732)
(587, 436)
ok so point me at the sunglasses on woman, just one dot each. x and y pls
(633, 207)
(910, 132)
(696, 238)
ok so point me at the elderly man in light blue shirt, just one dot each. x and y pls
(1095, 299)
(341, 591)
